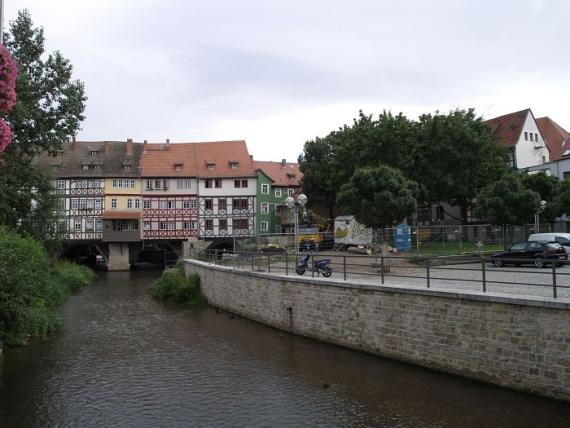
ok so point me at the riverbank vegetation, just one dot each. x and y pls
(175, 286)
(31, 288)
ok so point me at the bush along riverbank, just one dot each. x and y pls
(31, 288)
(175, 286)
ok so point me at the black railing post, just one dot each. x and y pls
(554, 292)
(483, 275)
(287, 264)
(269, 263)
(427, 272)
(344, 266)
(312, 265)
(382, 268)
(252, 263)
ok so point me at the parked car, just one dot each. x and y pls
(531, 252)
(560, 237)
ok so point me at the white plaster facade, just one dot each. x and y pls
(530, 148)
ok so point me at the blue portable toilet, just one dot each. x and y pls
(403, 237)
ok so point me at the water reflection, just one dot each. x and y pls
(123, 359)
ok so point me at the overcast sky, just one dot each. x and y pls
(277, 73)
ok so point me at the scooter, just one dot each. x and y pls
(320, 266)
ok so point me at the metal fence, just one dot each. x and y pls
(457, 273)
(431, 239)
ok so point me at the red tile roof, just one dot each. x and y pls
(283, 174)
(508, 128)
(160, 160)
(557, 138)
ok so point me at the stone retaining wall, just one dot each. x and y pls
(513, 342)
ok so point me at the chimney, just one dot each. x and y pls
(251, 157)
(73, 143)
(129, 146)
(105, 147)
(283, 162)
(145, 146)
(168, 142)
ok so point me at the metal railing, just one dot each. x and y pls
(454, 273)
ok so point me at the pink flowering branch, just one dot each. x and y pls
(8, 74)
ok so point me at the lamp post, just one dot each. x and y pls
(536, 216)
(292, 204)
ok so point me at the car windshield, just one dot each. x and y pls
(553, 245)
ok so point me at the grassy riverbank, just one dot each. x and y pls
(31, 288)
(175, 286)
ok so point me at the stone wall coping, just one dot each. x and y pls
(542, 302)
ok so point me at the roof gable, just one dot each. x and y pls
(507, 128)
(285, 174)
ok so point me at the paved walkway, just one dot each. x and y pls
(520, 281)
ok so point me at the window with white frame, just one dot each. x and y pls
(74, 204)
(264, 226)
(194, 225)
(171, 225)
(99, 225)
(265, 208)
(90, 204)
(137, 203)
(158, 184)
(113, 202)
(132, 183)
(290, 192)
(61, 184)
(193, 203)
(265, 189)
(82, 204)
(149, 185)
(146, 225)
(186, 225)
(129, 203)
(244, 183)
(162, 225)
(185, 204)
(89, 225)
(163, 204)
(77, 224)
(98, 204)
(278, 192)
(183, 183)
(146, 204)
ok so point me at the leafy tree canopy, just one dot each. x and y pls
(48, 111)
(548, 187)
(378, 197)
(507, 201)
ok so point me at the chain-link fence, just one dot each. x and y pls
(422, 239)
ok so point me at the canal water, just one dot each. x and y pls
(125, 360)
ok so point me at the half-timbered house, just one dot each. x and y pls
(169, 191)
(227, 189)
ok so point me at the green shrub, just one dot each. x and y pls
(175, 286)
(29, 290)
(72, 275)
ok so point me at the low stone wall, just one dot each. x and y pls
(513, 342)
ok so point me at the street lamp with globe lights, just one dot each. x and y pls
(542, 206)
(292, 204)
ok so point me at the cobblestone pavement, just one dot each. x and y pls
(467, 277)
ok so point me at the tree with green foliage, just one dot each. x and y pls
(378, 197)
(328, 163)
(562, 200)
(48, 111)
(454, 157)
(548, 187)
(315, 164)
(507, 202)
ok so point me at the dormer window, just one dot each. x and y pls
(93, 153)
(211, 165)
(85, 167)
(178, 167)
(290, 175)
(234, 164)
(126, 167)
(58, 154)
(55, 167)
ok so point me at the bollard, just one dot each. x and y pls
(344, 266)
(427, 272)
(287, 264)
(252, 263)
(382, 268)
